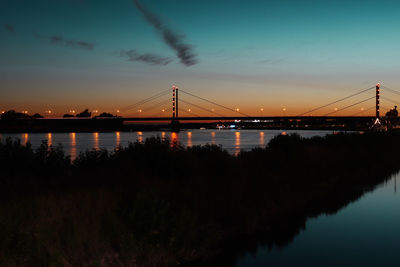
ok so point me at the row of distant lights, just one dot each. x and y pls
(140, 110)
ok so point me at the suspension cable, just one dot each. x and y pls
(390, 100)
(365, 100)
(187, 102)
(209, 101)
(160, 94)
(189, 112)
(334, 102)
(391, 90)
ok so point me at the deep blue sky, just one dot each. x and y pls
(249, 54)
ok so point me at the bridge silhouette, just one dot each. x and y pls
(176, 101)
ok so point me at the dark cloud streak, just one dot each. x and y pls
(59, 40)
(173, 40)
(10, 28)
(152, 59)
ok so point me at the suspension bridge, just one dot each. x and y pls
(217, 111)
(167, 106)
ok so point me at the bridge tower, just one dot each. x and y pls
(378, 86)
(175, 90)
(175, 114)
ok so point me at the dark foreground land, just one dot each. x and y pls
(159, 204)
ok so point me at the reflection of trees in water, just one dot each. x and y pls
(282, 231)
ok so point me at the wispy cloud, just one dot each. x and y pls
(171, 38)
(149, 58)
(10, 28)
(272, 61)
(59, 40)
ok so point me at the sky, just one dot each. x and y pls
(282, 57)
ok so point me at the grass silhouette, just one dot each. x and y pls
(161, 204)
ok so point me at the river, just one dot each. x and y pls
(364, 233)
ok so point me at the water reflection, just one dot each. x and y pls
(73, 152)
(140, 137)
(351, 222)
(232, 141)
(117, 139)
(96, 141)
(174, 139)
(237, 143)
(213, 138)
(189, 141)
(49, 139)
(262, 141)
(24, 138)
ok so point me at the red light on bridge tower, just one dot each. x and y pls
(175, 123)
(175, 102)
(378, 86)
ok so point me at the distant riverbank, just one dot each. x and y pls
(111, 124)
(159, 204)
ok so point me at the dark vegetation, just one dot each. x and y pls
(159, 204)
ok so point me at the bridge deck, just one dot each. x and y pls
(262, 118)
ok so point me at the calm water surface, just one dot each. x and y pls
(365, 233)
(231, 140)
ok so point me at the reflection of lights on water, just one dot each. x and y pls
(72, 138)
(261, 138)
(174, 139)
(283, 133)
(96, 141)
(213, 138)
(140, 137)
(49, 139)
(117, 139)
(163, 135)
(237, 143)
(189, 141)
(25, 138)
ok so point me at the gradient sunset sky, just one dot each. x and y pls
(61, 55)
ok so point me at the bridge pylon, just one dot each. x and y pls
(378, 86)
(175, 127)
